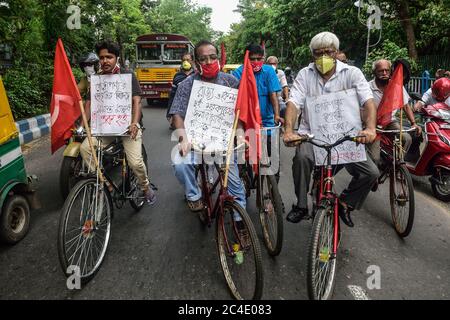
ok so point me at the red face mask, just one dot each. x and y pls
(209, 71)
(257, 65)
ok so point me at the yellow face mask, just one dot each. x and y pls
(324, 64)
(186, 65)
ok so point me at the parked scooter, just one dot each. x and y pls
(72, 166)
(432, 156)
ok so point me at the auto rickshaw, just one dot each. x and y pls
(16, 193)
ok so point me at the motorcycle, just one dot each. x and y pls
(432, 155)
(72, 166)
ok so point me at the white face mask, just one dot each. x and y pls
(274, 67)
(89, 70)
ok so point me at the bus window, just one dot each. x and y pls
(174, 51)
(149, 52)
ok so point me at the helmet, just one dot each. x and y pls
(441, 89)
(88, 59)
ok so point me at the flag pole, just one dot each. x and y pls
(401, 132)
(230, 148)
(91, 144)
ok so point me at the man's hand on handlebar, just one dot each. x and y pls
(369, 136)
(184, 146)
(133, 129)
(279, 120)
(418, 129)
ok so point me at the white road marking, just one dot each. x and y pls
(358, 293)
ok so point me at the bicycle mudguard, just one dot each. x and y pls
(72, 150)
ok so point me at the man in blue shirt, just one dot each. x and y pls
(267, 83)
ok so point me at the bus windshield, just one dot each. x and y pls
(149, 52)
(174, 51)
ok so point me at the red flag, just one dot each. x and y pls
(250, 114)
(392, 98)
(64, 107)
(223, 56)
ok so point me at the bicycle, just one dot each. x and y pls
(401, 188)
(240, 259)
(325, 233)
(85, 223)
(268, 198)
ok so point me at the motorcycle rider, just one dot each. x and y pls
(89, 63)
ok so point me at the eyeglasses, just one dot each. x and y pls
(256, 58)
(321, 52)
(211, 57)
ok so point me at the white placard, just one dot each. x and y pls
(210, 115)
(331, 116)
(111, 102)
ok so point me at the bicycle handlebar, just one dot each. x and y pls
(396, 130)
(310, 137)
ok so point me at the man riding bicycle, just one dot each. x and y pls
(325, 75)
(208, 67)
(108, 53)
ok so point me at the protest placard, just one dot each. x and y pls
(111, 103)
(331, 116)
(210, 115)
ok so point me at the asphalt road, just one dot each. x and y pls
(163, 252)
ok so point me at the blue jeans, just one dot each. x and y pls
(185, 172)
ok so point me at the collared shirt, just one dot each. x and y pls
(378, 95)
(267, 83)
(309, 83)
(181, 101)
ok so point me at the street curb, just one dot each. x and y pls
(33, 128)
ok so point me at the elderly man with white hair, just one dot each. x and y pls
(326, 75)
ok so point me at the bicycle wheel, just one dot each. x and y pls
(271, 214)
(133, 188)
(321, 270)
(239, 252)
(401, 194)
(84, 228)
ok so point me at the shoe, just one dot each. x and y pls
(344, 214)
(297, 214)
(150, 196)
(195, 206)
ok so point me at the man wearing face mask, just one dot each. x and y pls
(208, 70)
(267, 84)
(326, 75)
(284, 95)
(186, 69)
(89, 64)
(382, 71)
(108, 53)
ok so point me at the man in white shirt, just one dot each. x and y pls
(284, 94)
(427, 97)
(327, 75)
(382, 73)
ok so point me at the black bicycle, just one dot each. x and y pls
(85, 222)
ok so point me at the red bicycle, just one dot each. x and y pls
(325, 234)
(237, 243)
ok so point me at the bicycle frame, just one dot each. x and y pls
(325, 193)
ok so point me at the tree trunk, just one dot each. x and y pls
(405, 19)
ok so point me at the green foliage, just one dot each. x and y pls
(32, 27)
(389, 51)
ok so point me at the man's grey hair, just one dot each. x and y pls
(324, 40)
(272, 58)
(376, 62)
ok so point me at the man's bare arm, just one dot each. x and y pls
(370, 122)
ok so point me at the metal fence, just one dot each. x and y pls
(420, 84)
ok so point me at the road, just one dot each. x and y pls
(162, 252)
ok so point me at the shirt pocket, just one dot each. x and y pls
(263, 89)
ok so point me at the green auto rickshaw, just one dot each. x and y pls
(16, 193)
